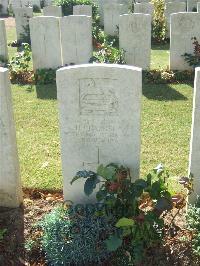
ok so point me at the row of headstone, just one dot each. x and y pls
(95, 127)
(59, 41)
(68, 40)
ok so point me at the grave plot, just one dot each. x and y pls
(99, 141)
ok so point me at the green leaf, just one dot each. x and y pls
(123, 222)
(74, 179)
(113, 243)
(107, 172)
(90, 185)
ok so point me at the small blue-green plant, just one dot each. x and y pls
(193, 223)
(71, 238)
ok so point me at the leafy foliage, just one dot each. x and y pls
(22, 59)
(137, 206)
(2, 233)
(159, 21)
(75, 239)
(20, 64)
(45, 76)
(193, 59)
(67, 5)
(110, 55)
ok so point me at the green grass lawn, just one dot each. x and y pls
(166, 124)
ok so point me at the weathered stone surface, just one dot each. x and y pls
(82, 10)
(55, 11)
(194, 159)
(170, 8)
(45, 42)
(100, 108)
(3, 42)
(135, 39)
(111, 17)
(22, 17)
(10, 185)
(145, 8)
(4, 7)
(184, 26)
(76, 39)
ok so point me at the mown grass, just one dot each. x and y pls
(166, 124)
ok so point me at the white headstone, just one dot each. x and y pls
(184, 26)
(198, 7)
(100, 108)
(111, 17)
(143, 1)
(170, 8)
(55, 11)
(10, 185)
(48, 2)
(4, 7)
(15, 4)
(135, 39)
(45, 42)
(192, 5)
(22, 17)
(194, 165)
(3, 42)
(145, 8)
(76, 39)
(82, 10)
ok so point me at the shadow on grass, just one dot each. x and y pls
(48, 91)
(160, 46)
(162, 92)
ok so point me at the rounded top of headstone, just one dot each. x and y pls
(93, 66)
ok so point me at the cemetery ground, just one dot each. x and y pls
(166, 127)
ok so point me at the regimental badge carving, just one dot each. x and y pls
(96, 97)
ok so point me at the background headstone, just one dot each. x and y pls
(145, 8)
(184, 26)
(76, 39)
(99, 108)
(4, 7)
(82, 10)
(55, 11)
(10, 185)
(15, 4)
(198, 7)
(194, 159)
(135, 39)
(22, 17)
(3, 42)
(111, 17)
(45, 42)
(170, 8)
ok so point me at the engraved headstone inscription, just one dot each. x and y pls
(99, 107)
